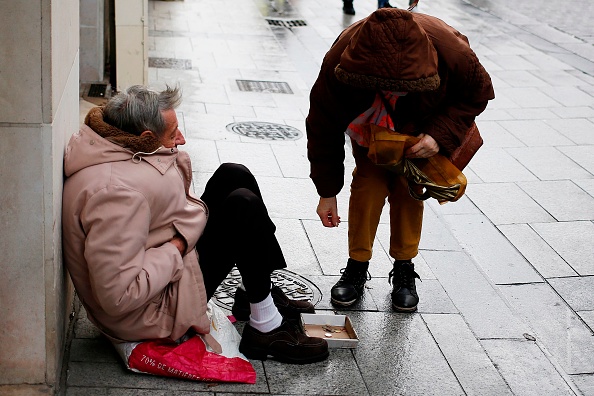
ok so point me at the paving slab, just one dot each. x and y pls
(506, 203)
(541, 255)
(494, 254)
(576, 291)
(338, 375)
(565, 237)
(526, 368)
(397, 355)
(508, 169)
(555, 325)
(486, 312)
(466, 356)
(564, 200)
(539, 161)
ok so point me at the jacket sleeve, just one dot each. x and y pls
(123, 274)
(333, 105)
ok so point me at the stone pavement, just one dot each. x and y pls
(506, 299)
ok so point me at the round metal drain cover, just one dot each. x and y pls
(295, 287)
(265, 130)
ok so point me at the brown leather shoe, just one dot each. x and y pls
(286, 343)
(289, 309)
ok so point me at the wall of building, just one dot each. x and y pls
(39, 89)
(92, 40)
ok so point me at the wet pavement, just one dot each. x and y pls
(507, 272)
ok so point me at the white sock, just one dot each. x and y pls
(264, 315)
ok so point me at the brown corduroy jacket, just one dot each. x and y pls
(399, 51)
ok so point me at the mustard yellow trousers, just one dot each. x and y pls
(370, 187)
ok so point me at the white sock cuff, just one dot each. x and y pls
(264, 315)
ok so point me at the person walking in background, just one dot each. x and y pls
(347, 7)
(145, 255)
(423, 73)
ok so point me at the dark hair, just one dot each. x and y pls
(138, 109)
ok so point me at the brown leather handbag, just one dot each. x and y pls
(434, 177)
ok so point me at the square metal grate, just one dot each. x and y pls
(170, 63)
(97, 90)
(288, 23)
(264, 86)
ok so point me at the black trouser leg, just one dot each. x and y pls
(238, 232)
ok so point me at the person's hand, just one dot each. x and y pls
(328, 212)
(180, 243)
(425, 148)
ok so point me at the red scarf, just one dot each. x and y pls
(377, 114)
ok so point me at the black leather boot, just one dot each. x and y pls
(349, 288)
(347, 7)
(404, 292)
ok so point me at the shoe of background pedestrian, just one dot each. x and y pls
(287, 344)
(289, 309)
(347, 7)
(384, 5)
(404, 291)
(349, 288)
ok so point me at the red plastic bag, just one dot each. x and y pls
(196, 358)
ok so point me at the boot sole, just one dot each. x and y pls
(343, 303)
(263, 354)
(401, 309)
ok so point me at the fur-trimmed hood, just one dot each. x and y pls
(98, 142)
(94, 120)
(389, 51)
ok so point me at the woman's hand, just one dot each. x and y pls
(328, 212)
(425, 148)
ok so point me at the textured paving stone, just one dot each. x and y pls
(466, 356)
(579, 130)
(526, 368)
(576, 291)
(399, 346)
(540, 254)
(571, 205)
(565, 237)
(338, 375)
(534, 133)
(555, 325)
(494, 254)
(508, 168)
(455, 270)
(585, 383)
(538, 160)
(506, 203)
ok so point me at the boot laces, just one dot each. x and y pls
(403, 275)
(354, 277)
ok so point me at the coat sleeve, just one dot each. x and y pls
(333, 105)
(123, 275)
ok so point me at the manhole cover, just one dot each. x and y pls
(264, 86)
(295, 287)
(265, 130)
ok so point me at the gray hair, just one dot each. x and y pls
(138, 109)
